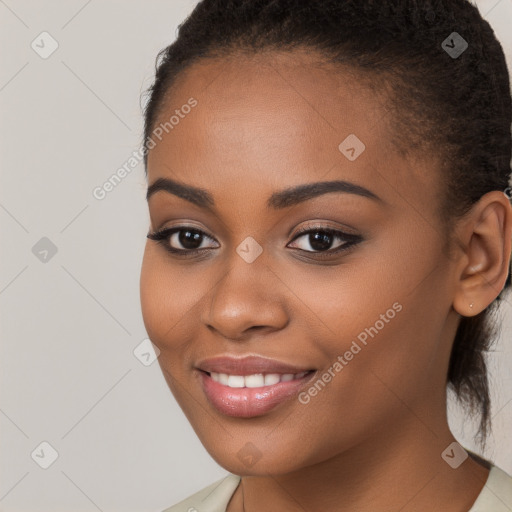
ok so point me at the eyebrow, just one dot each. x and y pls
(278, 200)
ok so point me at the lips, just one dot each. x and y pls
(250, 386)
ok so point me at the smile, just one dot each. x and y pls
(257, 380)
(247, 396)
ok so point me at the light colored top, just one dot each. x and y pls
(496, 495)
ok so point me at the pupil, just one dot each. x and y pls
(320, 241)
(189, 239)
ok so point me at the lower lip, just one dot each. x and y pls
(250, 402)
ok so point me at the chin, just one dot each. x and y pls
(251, 461)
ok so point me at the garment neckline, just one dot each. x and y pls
(485, 492)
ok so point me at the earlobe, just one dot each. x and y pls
(487, 245)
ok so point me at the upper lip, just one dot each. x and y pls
(248, 365)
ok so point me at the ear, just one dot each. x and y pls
(485, 235)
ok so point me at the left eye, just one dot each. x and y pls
(321, 240)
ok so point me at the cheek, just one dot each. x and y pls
(397, 329)
(172, 296)
(341, 302)
(164, 298)
(386, 312)
(151, 288)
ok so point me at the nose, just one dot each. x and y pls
(247, 299)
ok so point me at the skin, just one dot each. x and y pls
(372, 438)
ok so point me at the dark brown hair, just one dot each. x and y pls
(455, 110)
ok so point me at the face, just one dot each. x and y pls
(346, 279)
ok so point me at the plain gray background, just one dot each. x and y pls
(71, 319)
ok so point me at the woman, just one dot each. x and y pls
(329, 240)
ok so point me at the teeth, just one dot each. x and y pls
(254, 381)
(271, 378)
(257, 380)
(236, 381)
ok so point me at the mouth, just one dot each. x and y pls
(256, 380)
(247, 396)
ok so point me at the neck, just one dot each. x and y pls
(393, 470)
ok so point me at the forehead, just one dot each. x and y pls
(276, 120)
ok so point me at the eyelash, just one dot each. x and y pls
(163, 238)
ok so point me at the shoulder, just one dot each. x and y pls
(213, 498)
(496, 494)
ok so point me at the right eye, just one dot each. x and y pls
(190, 239)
